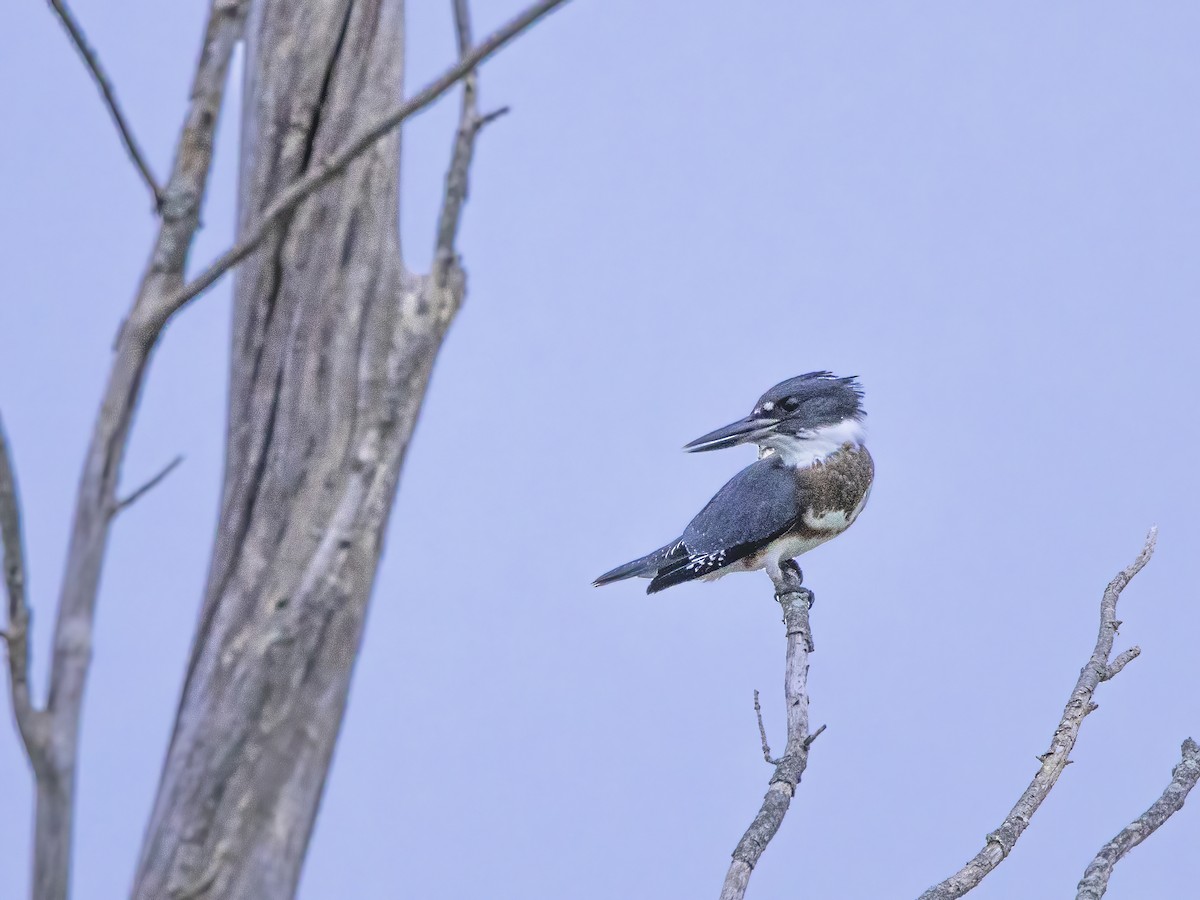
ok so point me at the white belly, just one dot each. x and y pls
(787, 547)
(769, 557)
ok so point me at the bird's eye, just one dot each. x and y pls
(790, 404)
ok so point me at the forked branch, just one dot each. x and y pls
(1097, 669)
(789, 768)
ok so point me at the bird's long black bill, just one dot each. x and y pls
(750, 428)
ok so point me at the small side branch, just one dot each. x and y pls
(92, 61)
(762, 733)
(1123, 659)
(150, 485)
(1183, 779)
(789, 768)
(1097, 669)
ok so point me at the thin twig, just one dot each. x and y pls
(795, 601)
(495, 114)
(1001, 841)
(148, 486)
(92, 61)
(1183, 778)
(816, 734)
(762, 732)
(332, 166)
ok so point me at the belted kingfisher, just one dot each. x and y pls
(809, 485)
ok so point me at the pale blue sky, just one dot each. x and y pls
(988, 211)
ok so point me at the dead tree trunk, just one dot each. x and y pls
(333, 343)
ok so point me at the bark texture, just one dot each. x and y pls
(333, 344)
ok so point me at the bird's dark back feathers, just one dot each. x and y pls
(756, 505)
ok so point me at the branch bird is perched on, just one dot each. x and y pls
(809, 485)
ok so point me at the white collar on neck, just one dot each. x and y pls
(816, 445)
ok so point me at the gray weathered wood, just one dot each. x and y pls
(333, 344)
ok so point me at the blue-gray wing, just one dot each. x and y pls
(758, 504)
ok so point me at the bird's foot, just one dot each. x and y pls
(789, 579)
(790, 565)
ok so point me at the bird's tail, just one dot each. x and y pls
(645, 567)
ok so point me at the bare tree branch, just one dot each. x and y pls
(92, 61)
(332, 166)
(150, 485)
(1183, 778)
(30, 721)
(795, 601)
(1001, 841)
